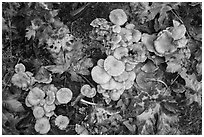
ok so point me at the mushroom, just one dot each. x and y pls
(38, 112)
(87, 91)
(99, 75)
(115, 39)
(149, 67)
(49, 114)
(126, 34)
(148, 41)
(43, 76)
(130, 81)
(114, 95)
(20, 68)
(42, 125)
(116, 28)
(178, 31)
(130, 26)
(163, 44)
(123, 77)
(50, 99)
(35, 96)
(62, 122)
(21, 80)
(136, 35)
(27, 103)
(137, 53)
(112, 84)
(118, 17)
(120, 52)
(100, 63)
(129, 67)
(49, 108)
(64, 95)
(100, 89)
(142, 80)
(181, 43)
(113, 66)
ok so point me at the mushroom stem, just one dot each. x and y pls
(79, 97)
(86, 102)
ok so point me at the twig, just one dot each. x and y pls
(86, 102)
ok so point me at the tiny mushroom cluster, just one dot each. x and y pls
(43, 101)
(22, 79)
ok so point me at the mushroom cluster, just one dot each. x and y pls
(167, 41)
(113, 76)
(22, 79)
(43, 100)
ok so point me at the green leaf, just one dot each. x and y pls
(14, 105)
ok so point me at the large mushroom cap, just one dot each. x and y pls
(35, 96)
(112, 84)
(87, 91)
(118, 17)
(99, 75)
(113, 66)
(64, 95)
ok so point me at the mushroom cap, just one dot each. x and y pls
(163, 44)
(116, 28)
(112, 84)
(99, 75)
(81, 130)
(123, 77)
(115, 39)
(38, 112)
(21, 80)
(139, 53)
(130, 26)
(20, 68)
(49, 114)
(43, 76)
(100, 63)
(27, 103)
(64, 95)
(49, 108)
(42, 125)
(130, 81)
(129, 67)
(178, 31)
(136, 35)
(126, 34)
(149, 67)
(148, 41)
(115, 95)
(35, 96)
(100, 89)
(118, 17)
(62, 122)
(113, 66)
(87, 91)
(120, 52)
(50, 99)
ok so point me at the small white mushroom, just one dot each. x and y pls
(38, 112)
(42, 125)
(62, 122)
(118, 17)
(20, 68)
(64, 95)
(100, 63)
(35, 96)
(87, 91)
